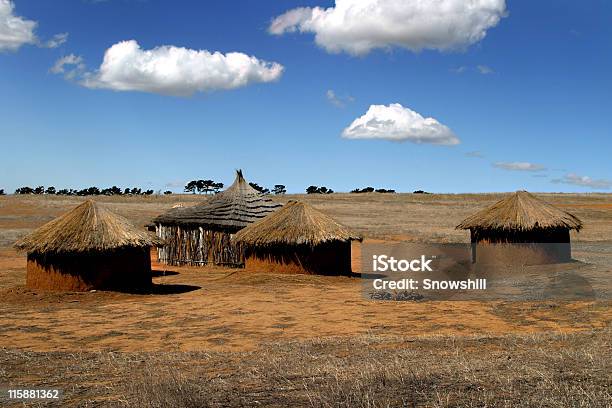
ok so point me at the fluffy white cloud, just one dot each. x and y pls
(519, 166)
(397, 123)
(584, 181)
(15, 31)
(358, 26)
(178, 71)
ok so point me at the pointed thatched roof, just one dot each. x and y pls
(234, 208)
(86, 228)
(296, 223)
(521, 211)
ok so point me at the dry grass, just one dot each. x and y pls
(414, 217)
(368, 371)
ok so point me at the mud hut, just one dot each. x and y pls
(88, 248)
(201, 234)
(521, 229)
(297, 239)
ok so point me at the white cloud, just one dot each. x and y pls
(15, 31)
(55, 41)
(484, 69)
(397, 123)
(519, 166)
(336, 100)
(77, 67)
(358, 26)
(170, 70)
(475, 153)
(584, 181)
(459, 70)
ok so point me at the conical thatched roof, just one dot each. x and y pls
(86, 228)
(296, 223)
(234, 208)
(521, 211)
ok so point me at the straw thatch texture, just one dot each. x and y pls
(521, 211)
(87, 228)
(230, 210)
(296, 223)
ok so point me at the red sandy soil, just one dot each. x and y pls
(214, 308)
(237, 310)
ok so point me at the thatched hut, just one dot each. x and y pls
(88, 248)
(201, 234)
(521, 229)
(298, 239)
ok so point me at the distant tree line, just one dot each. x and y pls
(203, 186)
(210, 186)
(114, 190)
(194, 186)
(372, 190)
(319, 190)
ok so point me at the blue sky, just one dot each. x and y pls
(531, 99)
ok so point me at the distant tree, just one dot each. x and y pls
(63, 192)
(115, 190)
(207, 186)
(167, 192)
(148, 192)
(24, 190)
(39, 190)
(420, 192)
(279, 189)
(136, 191)
(50, 190)
(89, 191)
(2, 192)
(191, 187)
(126, 191)
(312, 190)
(256, 186)
(199, 184)
(217, 187)
(259, 188)
(383, 190)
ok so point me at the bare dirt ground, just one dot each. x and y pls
(236, 315)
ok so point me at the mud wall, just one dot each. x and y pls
(328, 259)
(122, 269)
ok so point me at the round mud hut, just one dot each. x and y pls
(521, 229)
(88, 248)
(297, 239)
(202, 234)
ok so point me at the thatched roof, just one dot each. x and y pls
(234, 208)
(86, 228)
(296, 223)
(521, 211)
